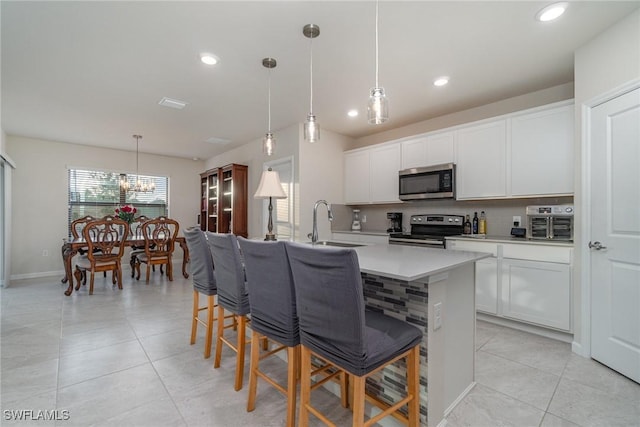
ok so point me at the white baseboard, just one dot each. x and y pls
(177, 266)
(455, 403)
(526, 327)
(38, 275)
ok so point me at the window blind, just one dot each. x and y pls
(98, 193)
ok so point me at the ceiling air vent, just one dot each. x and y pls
(216, 140)
(172, 103)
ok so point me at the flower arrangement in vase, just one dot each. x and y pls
(126, 213)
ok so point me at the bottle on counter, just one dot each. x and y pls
(467, 226)
(482, 223)
(474, 223)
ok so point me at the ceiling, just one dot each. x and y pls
(93, 73)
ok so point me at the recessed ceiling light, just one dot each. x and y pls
(208, 59)
(441, 81)
(551, 12)
(353, 113)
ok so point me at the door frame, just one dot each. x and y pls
(584, 347)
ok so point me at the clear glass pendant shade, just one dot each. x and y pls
(311, 129)
(269, 144)
(378, 107)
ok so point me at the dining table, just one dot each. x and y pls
(71, 247)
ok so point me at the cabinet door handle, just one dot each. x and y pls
(596, 245)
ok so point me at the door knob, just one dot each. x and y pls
(596, 245)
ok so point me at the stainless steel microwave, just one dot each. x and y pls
(432, 182)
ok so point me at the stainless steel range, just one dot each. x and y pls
(429, 230)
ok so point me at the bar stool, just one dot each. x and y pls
(204, 282)
(335, 327)
(273, 315)
(232, 296)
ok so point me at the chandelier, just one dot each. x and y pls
(140, 186)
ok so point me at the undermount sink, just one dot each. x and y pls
(339, 244)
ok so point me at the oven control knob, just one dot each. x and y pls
(568, 210)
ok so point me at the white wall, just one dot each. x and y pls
(317, 175)
(250, 154)
(605, 63)
(321, 178)
(39, 205)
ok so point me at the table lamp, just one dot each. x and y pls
(270, 188)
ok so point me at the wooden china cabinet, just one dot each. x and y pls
(223, 200)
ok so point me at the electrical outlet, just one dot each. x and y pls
(518, 219)
(437, 316)
(45, 252)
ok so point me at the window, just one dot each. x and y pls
(98, 193)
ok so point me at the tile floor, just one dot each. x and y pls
(122, 358)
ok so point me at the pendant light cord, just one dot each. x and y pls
(269, 100)
(311, 75)
(377, 43)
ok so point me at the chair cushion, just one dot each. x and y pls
(84, 263)
(144, 258)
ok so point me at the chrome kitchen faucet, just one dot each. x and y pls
(314, 234)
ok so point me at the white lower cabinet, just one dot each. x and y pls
(537, 292)
(535, 287)
(487, 285)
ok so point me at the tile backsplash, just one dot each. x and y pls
(499, 213)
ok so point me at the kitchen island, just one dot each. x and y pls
(433, 289)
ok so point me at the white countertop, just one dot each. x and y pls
(411, 262)
(371, 233)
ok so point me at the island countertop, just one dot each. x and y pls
(411, 262)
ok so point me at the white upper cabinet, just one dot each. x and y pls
(385, 164)
(371, 174)
(524, 154)
(356, 176)
(482, 161)
(542, 152)
(428, 150)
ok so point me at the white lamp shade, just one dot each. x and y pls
(270, 186)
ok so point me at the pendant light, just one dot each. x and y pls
(139, 185)
(311, 126)
(378, 107)
(269, 141)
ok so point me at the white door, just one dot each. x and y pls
(615, 233)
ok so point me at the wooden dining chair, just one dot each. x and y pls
(159, 241)
(105, 241)
(135, 229)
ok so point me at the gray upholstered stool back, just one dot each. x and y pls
(271, 293)
(229, 272)
(332, 316)
(330, 301)
(200, 261)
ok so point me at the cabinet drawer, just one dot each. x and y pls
(459, 245)
(560, 255)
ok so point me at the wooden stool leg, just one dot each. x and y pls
(210, 322)
(253, 371)
(293, 360)
(413, 386)
(240, 354)
(220, 334)
(194, 316)
(358, 400)
(305, 386)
